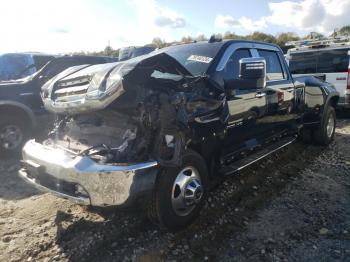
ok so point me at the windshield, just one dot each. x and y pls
(16, 66)
(196, 58)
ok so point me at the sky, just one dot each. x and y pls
(63, 26)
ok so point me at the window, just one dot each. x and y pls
(231, 70)
(323, 61)
(303, 63)
(333, 61)
(41, 60)
(59, 66)
(15, 66)
(196, 58)
(273, 65)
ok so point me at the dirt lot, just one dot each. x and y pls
(294, 206)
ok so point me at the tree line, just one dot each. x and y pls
(280, 39)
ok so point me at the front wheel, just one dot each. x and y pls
(180, 192)
(12, 135)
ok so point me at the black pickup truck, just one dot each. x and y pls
(21, 107)
(157, 130)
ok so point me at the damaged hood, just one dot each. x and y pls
(86, 88)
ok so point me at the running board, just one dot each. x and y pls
(249, 160)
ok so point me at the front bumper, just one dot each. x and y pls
(82, 180)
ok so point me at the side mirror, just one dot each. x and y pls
(252, 74)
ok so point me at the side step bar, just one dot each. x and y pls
(249, 160)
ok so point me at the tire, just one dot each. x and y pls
(168, 208)
(13, 134)
(324, 134)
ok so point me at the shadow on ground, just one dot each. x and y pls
(12, 187)
(229, 208)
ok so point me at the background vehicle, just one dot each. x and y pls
(134, 51)
(158, 130)
(19, 65)
(21, 107)
(327, 59)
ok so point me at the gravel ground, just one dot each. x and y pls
(293, 206)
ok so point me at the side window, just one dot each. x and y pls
(333, 61)
(57, 67)
(41, 60)
(274, 69)
(303, 63)
(231, 70)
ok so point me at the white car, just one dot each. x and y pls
(328, 60)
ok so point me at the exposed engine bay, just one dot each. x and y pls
(155, 103)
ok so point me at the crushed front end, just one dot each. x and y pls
(117, 125)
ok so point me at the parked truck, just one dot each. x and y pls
(156, 131)
(22, 110)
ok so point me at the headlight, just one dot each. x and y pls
(102, 84)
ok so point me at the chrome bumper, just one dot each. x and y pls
(83, 181)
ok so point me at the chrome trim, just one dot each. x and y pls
(105, 184)
(26, 94)
(260, 95)
(78, 200)
(80, 90)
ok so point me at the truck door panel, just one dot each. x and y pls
(245, 106)
(280, 93)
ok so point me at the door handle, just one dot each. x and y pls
(260, 95)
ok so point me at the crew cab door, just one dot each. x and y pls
(245, 106)
(280, 91)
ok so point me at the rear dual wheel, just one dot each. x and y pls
(324, 134)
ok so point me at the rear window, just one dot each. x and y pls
(325, 61)
(303, 63)
(333, 61)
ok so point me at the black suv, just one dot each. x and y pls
(21, 107)
(157, 130)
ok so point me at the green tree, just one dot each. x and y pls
(187, 39)
(259, 36)
(345, 30)
(158, 43)
(201, 37)
(283, 38)
(108, 51)
(231, 35)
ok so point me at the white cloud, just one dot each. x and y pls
(226, 22)
(247, 24)
(60, 26)
(164, 21)
(309, 15)
(153, 21)
(302, 15)
(252, 25)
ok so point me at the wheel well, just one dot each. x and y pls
(16, 112)
(206, 151)
(334, 101)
